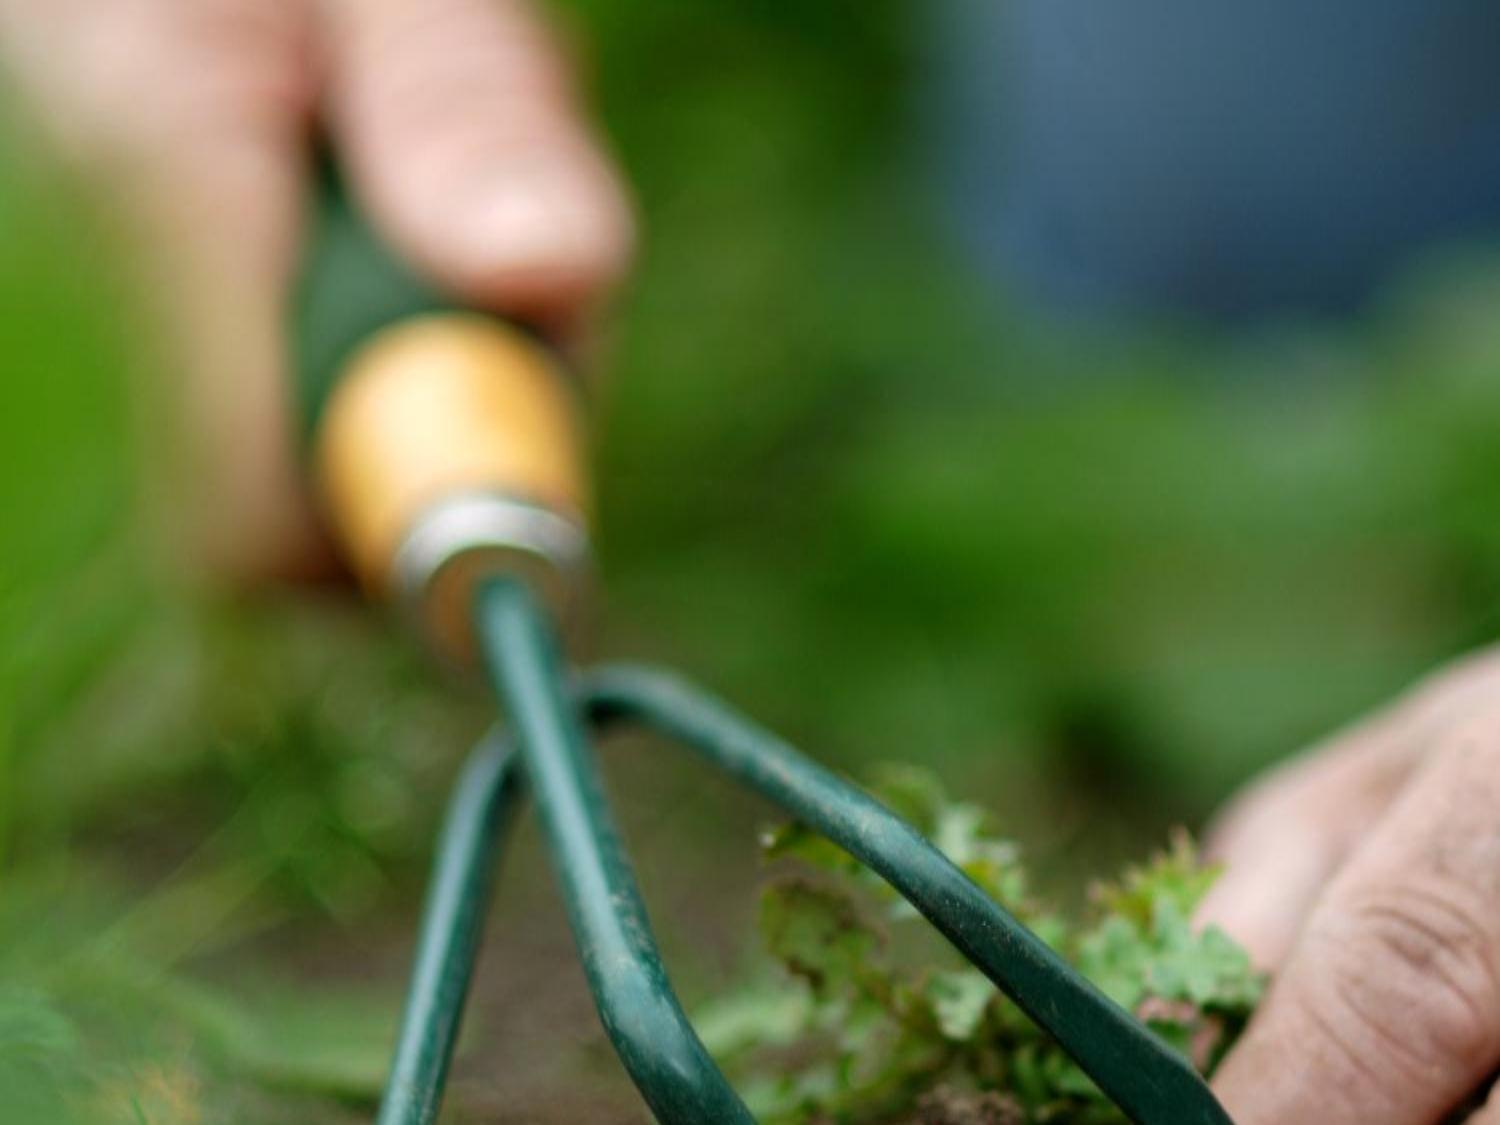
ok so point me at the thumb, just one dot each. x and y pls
(1283, 840)
(1389, 1008)
(464, 139)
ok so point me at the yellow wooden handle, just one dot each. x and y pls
(448, 451)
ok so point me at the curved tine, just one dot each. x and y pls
(1149, 1082)
(479, 813)
(650, 1032)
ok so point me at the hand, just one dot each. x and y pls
(457, 127)
(1367, 875)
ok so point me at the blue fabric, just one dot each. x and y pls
(1225, 157)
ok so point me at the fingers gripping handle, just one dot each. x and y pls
(445, 443)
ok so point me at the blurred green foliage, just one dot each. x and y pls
(177, 779)
(1150, 555)
(1097, 573)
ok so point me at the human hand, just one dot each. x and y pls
(1367, 876)
(458, 130)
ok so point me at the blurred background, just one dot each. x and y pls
(1093, 569)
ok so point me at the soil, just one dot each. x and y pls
(952, 1107)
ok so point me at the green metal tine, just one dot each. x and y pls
(1150, 1082)
(483, 805)
(640, 1012)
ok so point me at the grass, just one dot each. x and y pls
(1096, 576)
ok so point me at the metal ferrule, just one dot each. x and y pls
(473, 537)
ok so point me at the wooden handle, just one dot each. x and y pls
(445, 444)
(449, 451)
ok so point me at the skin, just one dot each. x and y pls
(1366, 873)
(463, 139)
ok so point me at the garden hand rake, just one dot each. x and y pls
(446, 451)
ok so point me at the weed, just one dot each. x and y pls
(868, 1016)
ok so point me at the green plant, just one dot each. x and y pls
(868, 1016)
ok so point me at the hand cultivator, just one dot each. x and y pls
(446, 451)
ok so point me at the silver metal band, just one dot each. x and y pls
(479, 521)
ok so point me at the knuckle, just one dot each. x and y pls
(1417, 971)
